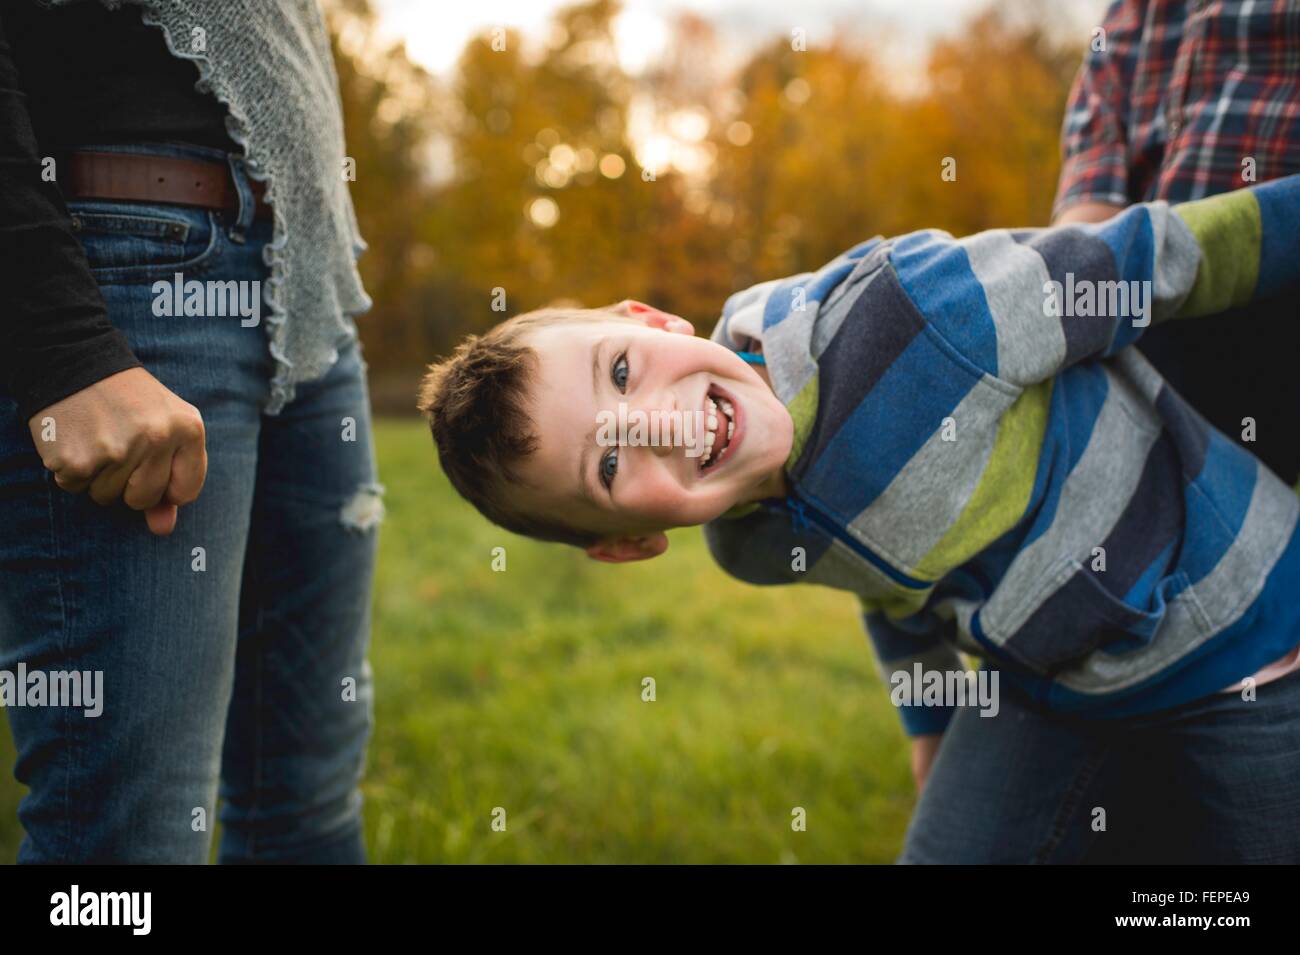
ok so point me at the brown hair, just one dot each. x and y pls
(475, 402)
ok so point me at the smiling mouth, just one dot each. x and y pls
(719, 429)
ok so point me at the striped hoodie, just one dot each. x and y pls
(983, 460)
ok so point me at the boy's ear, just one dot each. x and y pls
(620, 550)
(653, 317)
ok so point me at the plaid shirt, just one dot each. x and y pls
(1184, 92)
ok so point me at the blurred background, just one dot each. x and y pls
(672, 152)
(525, 167)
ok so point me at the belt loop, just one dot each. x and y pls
(247, 205)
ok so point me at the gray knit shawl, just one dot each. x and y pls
(269, 63)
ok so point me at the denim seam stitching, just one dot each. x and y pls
(63, 652)
(131, 225)
(199, 264)
(1069, 804)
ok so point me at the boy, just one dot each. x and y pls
(953, 430)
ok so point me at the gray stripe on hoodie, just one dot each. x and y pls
(1212, 604)
(928, 495)
(1031, 344)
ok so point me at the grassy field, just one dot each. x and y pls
(522, 689)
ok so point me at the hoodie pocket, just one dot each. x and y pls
(1076, 615)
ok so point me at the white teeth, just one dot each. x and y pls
(714, 408)
(731, 416)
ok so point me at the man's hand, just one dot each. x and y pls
(923, 751)
(126, 437)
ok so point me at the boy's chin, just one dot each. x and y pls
(732, 503)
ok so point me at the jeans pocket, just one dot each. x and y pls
(1080, 616)
(134, 242)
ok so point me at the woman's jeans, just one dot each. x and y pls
(231, 652)
(1216, 780)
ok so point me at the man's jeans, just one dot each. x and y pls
(1216, 780)
(233, 650)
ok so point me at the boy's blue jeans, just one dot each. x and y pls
(1216, 780)
(229, 649)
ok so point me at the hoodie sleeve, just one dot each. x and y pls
(1022, 305)
(900, 645)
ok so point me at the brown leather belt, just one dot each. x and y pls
(135, 177)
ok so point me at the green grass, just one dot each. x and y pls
(522, 689)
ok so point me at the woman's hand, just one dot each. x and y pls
(126, 436)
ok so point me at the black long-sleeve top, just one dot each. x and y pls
(73, 77)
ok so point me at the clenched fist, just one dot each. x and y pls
(126, 437)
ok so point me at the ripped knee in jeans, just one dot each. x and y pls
(364, 510)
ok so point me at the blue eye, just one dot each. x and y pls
(609, 467)
(619, 372)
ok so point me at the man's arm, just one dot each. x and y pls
(98, 420)
(1085, 212)
(1095, 163)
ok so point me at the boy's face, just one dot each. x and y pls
(630, 488)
